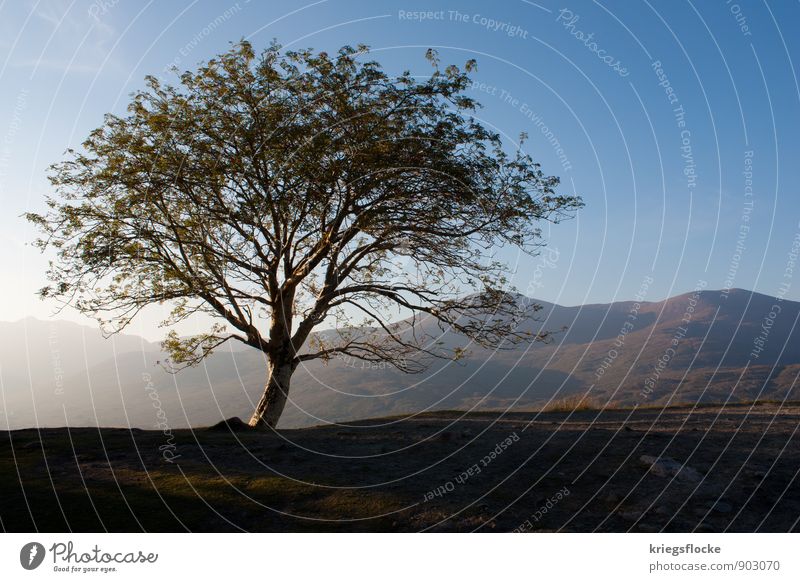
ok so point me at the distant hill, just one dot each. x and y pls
(692, 347)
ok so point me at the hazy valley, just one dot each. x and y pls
(689, 348)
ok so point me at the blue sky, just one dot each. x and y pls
(666, 192)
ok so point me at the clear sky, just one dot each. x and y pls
(676, 121)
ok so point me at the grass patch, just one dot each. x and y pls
(573, 403)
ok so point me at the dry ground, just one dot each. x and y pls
(443, 471)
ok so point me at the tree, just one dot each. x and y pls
(278, 191)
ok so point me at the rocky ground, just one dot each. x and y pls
(710, 469)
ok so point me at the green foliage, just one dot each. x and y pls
(277, 190)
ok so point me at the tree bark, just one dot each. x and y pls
(270, 407)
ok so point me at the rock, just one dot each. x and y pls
(662, 510)
(234, 424)
(667, 467)
(722, 507)
(632, 515)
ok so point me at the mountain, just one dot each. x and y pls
(706, 346)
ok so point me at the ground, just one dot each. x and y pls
(735, 470)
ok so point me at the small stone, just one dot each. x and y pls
(234, 424)
(662, 510)
(722, 507)
(630, 515)
(667, 467)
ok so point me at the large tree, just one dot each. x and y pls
(282, 191)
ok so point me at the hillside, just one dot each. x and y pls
(611, 352)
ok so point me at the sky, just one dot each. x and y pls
(675, 121)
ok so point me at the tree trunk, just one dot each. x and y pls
(272, 402)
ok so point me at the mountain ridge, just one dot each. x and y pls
(611, 352)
